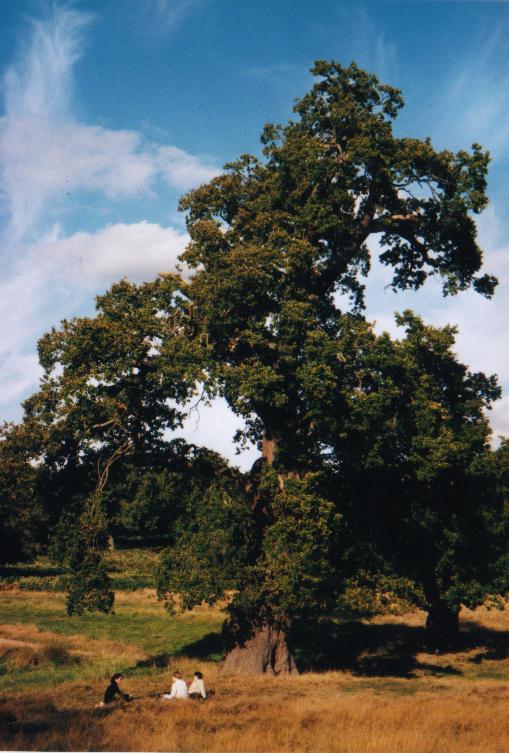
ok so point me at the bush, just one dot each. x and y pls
(54, 653)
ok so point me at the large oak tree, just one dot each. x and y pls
(275, 242)
(270, 317)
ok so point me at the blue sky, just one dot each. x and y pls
(110, 110)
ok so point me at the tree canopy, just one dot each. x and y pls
(370, 447)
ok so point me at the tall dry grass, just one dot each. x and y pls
(278, 716)
(449, 703)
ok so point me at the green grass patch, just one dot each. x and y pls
(19, 680)
(139, 621)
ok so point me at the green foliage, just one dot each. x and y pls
(149, 499)
(118, 371)
(373, 449)
(300, 551)
(63, 537)
(397, 429)
(89, 586)
(369, 594)
(20, 512)
(113, 383)
(424, 504)
(211, 549)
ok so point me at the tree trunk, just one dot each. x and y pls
(266, 651)
(269, 447)
(442, 624)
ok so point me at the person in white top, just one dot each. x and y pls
(197, 687)
(178, 688)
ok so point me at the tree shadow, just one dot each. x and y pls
(493, 644)
(157, 661)
(30, 719)
(386, 650)
(208, 648)
(365, 649)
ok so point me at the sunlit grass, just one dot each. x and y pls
(140, 631)
(391, 696)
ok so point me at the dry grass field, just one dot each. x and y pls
(387, 695)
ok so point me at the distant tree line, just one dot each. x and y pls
(376, 482)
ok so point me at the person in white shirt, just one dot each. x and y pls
(178, 688)
(197, 687)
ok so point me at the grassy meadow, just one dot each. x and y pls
(368, 688)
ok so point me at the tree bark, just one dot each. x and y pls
(269, 447)
(265, 652)
(442, 624)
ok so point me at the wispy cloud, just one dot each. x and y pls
(279, 74)
(46, 156)
(45, 153)
(166, 15)
(369, 42)
(475, 98)
(40, 82)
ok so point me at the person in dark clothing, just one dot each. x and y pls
(113, 689)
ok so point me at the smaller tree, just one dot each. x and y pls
(89, 586)
(112, 386)
(419, 474)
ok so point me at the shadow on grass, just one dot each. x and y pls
(157, 661)
(387, 650)
(30, 571)
(208, 648)
(494, 644)
(26, 722)
(368, 650)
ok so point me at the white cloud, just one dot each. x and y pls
(137, 251)
(19, 375)
(483, 338)
(182, 170)
(58, 278)
(45, 155)
(42, 161)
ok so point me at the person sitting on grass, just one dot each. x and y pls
(197, 687)
(178, 688)
(113, 690)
